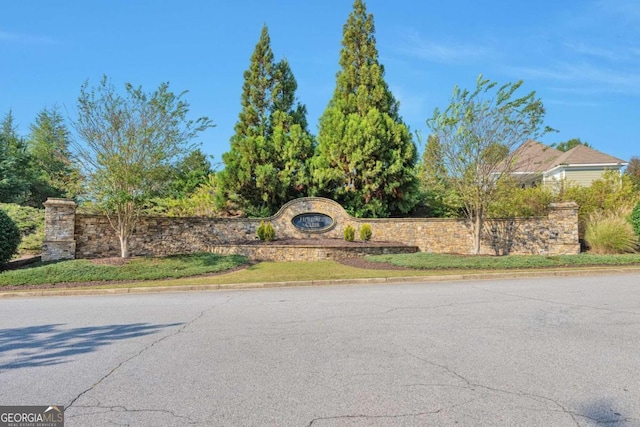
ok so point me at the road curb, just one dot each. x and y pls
(331, 282)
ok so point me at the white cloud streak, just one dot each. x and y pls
(8, 37)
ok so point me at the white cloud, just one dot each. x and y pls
(25, 38)
(443, 52)
(584, 77)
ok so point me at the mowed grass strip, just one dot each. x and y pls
(425, 261)
(143, 268)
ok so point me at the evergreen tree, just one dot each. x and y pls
(55, 174)
(15, 164)
(189, 173)
(268, 161)
(366, 156)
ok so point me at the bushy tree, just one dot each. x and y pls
(633, 171)
(188, 174)
(268, 161)
(569, 144)
(128, 143)
(366, 156)
(55, 174)
(15, 164)
(9, 238)
(478, 133)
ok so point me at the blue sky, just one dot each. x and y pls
(581, 57)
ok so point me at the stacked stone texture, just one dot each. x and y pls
(94, 237)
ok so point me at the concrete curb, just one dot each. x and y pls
(574, 272)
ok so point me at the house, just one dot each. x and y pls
(535, 163)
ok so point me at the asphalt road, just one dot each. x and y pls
(529, 352)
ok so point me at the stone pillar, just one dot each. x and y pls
(59, 227)
(564, 237)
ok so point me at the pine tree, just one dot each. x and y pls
(48, 143)
(15, 164)
(268, 162)
(366, 156)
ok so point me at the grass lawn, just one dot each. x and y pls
(189, 269)
(425, 261)
(144, 268)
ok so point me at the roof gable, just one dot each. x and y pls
(583, 155)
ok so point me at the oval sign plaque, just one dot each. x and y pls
(313, 222)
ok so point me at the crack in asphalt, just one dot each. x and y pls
(408, 415)
(119, 365)
(472, 384)
(119, 408)
(557, 302)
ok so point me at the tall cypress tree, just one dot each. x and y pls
(366, 156)
(270, 150)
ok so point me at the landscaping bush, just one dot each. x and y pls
(365, 232)
(266, 232)
(349, 233)
(610, 233)
(635, 219)
(30, 222)
(9, 238)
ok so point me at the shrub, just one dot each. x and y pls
(635, 219)
(349, 233)
(266, 232)
(365, 232)
(30, 222)
(9, 238)
(610, 233)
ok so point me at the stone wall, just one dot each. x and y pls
(93, 236)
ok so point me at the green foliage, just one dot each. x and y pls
(365, 232)
(478, 133)
(349, 233)
(366, 156)
(511, 201)
(9, 238)
(607, 194)
(143, 268)
(30, 222)
(128, 143)
(635, 219)
(268, 164)
(16, 174)
(189, 173)
(633, 171)
(55, 174)
(266, 232)
(610, 233)
(568, 145)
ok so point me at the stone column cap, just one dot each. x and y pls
(51, 201)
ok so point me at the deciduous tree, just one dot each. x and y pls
(478, 133)
(366, 156)
(127, 143)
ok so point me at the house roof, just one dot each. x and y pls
(583, 155)
(533, 156)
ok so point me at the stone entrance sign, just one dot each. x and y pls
(73, 235)
(313, 222)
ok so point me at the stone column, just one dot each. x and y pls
(564, 237)
(59, 227)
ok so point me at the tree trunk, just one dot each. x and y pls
(124, 245)
(477, 233)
